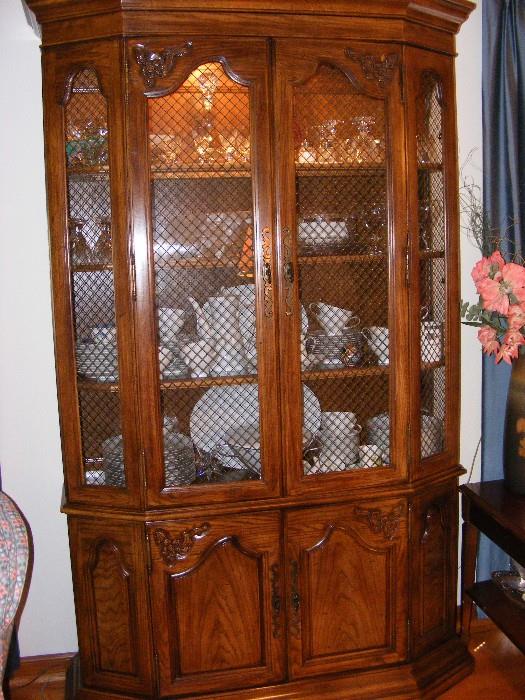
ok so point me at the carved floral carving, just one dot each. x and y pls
(378, 68)
(174, 549)
(158, 64)
(379, 522)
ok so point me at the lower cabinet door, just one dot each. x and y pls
(216, 598)
(433, 559)
(346, 586)
(111, 597)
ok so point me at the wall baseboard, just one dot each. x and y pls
(40, 677)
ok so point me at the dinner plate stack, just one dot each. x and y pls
(113, 452)
(179, 460)
(98, 361)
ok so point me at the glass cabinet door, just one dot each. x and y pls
(434, 229)
(211, 252)
(91, 257)
(337, 260)
(90, 277)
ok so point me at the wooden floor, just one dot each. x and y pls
(499, 672)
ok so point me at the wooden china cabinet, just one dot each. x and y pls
(253, 226)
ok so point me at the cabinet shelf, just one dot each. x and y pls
(93, 385)
(79, 174)
(340, 258)
(431, 254)
(349, 372)
(435, 167)
(197, 172)
(338, 169)
(207, 382)
(205, 263)
(92, 267)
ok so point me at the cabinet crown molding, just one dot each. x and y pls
(443, 14)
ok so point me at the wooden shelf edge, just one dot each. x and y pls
(508, 616)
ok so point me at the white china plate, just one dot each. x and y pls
(226, 408)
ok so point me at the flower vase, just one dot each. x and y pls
(514, 433)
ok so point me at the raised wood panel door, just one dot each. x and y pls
(217, 602)
(110, 584)
(342, 247)
(346, 587)
(204, 246)
(434, 531)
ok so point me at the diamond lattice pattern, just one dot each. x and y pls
(432, 238)
(89, 236)
(342, 217)
(202, 217)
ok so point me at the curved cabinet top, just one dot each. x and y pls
(400, 20)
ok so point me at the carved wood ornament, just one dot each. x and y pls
(158, 64)
(378, 68)
(386, 524)
(176, 549)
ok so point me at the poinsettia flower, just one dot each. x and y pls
(495, 293)
(510, 347)
(488, 338)
(487, 267)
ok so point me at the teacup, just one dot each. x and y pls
(332, 319)
(377, 337)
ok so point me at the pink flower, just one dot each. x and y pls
(510, 280)
(487, 336)
(516, 317)
(487, 268)
(510, 347)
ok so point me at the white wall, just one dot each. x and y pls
(468, 80)
(29, 434)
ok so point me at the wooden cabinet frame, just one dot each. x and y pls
(282, 583)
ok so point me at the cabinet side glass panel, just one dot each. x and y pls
(432, 248)
(90, 254)
(342, 239)
(203, 251)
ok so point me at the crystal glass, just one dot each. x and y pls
(80, 250)
(102, 252)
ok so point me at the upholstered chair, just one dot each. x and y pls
(14, 560)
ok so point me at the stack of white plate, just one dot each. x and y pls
(113, 452)
(98, 361)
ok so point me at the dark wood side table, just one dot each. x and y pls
(489, 508)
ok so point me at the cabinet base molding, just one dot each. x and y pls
(39, 675)
(427, 677)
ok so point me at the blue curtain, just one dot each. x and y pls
(503, 78)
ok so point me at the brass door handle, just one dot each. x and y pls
(276, 602)
(295, 600)
(288, 271)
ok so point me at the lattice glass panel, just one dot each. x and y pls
(90, 249)
(342, 233)
(202, 217)
(432, 243)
